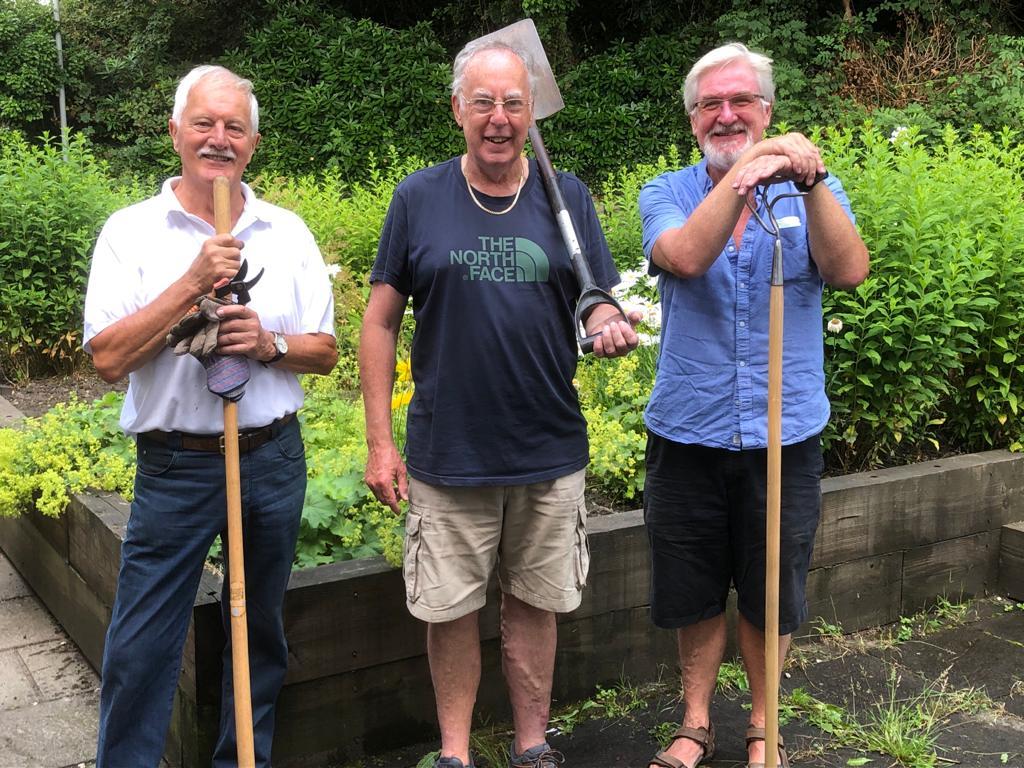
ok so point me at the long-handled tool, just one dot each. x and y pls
(245, 749)
(547, 100)
(773, 512)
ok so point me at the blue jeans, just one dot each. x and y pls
(180, 507)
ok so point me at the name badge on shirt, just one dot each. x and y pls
(786, 222)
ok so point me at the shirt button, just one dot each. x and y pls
(735, 439)
(742, 363)
(743, 284)
(743, 324)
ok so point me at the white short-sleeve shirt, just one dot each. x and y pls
(144, 248)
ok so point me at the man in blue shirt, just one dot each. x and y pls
(704, 500)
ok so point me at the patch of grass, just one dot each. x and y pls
(662, 733)
(903, 728)
(732, 679)
(828, 630)
(615, 703)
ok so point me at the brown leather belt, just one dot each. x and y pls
(248, 440)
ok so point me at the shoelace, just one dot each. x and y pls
(549, 758)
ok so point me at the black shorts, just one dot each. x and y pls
(705, 514)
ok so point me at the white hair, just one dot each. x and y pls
(221, 73)
(477, 46)
(723, 56)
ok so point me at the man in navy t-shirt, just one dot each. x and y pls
(496, 444)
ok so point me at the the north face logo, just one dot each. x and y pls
(502, 260)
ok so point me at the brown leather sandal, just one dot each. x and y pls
(703, 736)
(757, 734)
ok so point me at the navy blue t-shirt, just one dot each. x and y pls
(494, 350)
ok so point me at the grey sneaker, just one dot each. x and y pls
(452, 762)
(541, 756)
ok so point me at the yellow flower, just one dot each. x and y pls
(403, 371)
(400, 399)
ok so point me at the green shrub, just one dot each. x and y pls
(50, 214)
(74, 446)
(333, 91)
(29, 75)
(927, 358)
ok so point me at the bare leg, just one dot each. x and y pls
(453, 648)
(751, 643)
(528, 637)
(701, 647)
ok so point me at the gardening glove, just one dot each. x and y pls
(196, 334)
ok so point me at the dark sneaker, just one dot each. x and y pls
(541, 756)
(452, 762)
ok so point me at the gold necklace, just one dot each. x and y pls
(522, 181)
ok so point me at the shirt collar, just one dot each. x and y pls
(251, 208)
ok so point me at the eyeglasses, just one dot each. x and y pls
(739, 101)
(482, 105)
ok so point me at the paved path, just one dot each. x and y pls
(48, 691)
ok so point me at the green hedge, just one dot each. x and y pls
(50, 214)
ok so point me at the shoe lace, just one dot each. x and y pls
(549, 758)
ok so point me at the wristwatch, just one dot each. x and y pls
(280, 347)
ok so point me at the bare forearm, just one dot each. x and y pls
(307, 352)
(377, 379)
(836, 247)
(133, 341)
(690, 250)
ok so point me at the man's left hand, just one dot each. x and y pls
(618, 337)
(241, 333)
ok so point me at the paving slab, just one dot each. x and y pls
(17, 689)
(9, 417)
(59, 669)
(52, 734)
(24, 621)
(11, 584)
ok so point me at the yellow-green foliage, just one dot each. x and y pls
(613, 394)
(73, 447)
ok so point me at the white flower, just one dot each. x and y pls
(333, 270)
(835, 325)
(898, 131)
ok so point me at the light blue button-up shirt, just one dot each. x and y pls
(712, 382)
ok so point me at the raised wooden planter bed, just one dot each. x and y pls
(890, 542)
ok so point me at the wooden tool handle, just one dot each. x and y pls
(222, 205)
(244, 745)
(772, 528)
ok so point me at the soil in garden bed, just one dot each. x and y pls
(34, 397)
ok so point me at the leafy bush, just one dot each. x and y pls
(50, 214)
(334, 90)
(29, 75)
(929, 346)
(74, 446)
(77, 446)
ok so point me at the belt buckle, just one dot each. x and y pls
(220, 440)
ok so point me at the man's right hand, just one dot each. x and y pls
(385, 475)
(218, 259)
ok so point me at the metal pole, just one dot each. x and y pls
(55, 4)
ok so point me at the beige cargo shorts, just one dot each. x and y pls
(536, 534)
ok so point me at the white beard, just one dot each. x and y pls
(720, 160)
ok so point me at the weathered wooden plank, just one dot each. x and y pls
(857, 594)
(905, 507)
(95, 532)
(53, 529)
(59, 586)
(352, 615)
(957, 569)
(1011, 560)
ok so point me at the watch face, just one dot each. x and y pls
(280, 343)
